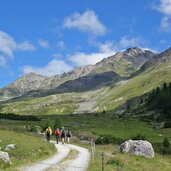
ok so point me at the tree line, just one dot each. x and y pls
(160, 99)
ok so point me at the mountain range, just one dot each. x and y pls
(110, 69)
(92, 88)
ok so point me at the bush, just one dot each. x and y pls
(167, 124)
(34, 128)
(13, 116)
(166, 143)
(139, 137)
(98, 140)
(108, 139)
(163, 148)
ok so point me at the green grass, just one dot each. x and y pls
(52, 104)
(114, 96)
(93, 125)
(134, 87)
(116, 161)
(28, 149)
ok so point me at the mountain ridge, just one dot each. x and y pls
(129, 60)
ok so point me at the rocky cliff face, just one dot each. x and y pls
(121, 64)
(127, 62)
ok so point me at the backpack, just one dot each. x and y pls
(68, 133)
(63, 132)
(48, 131)
(57, 132)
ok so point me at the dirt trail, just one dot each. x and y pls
(79, 163)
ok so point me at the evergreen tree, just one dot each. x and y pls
(165, 87)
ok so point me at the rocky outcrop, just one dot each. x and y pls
(138, 147)
(126, 62)
(4, 156)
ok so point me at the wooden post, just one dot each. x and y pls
(93, 149)
(102, 161)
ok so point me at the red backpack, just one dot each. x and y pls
(57, 132)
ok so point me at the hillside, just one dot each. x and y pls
(105, 93)
(152, 74)
(121, 64)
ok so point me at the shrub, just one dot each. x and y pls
(167, 124)
(139, 137)
(163, 148)
(166, 143)
(13, 116)
(98, 140)
(108, 139)
(34, 128)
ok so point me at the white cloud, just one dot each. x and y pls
(43, 43)
(85, 22)
(54, 67)
(61, 45)
(3, 62)
(25, 46)
(107, 49)
(8, 45)
(57, 55)
(165, 8)
(166, 24)
(126, 42)
(81, 58)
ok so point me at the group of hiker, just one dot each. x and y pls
(59, 134)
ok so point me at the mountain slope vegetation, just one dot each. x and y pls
(106, 91)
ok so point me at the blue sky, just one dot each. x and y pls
(50, 37)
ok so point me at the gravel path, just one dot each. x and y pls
(80, 163)
(63, 151)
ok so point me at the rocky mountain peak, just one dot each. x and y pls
(32, 75)
(135, 51)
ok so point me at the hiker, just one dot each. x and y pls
(58, 134)
(63, 135)
(69, 135)
(48, 133)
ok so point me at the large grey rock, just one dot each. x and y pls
(138, 147)
(10, 147)
(4, 156)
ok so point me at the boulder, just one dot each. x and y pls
(10, 147)
(4, 156)
(138, 147)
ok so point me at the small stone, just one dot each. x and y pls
(10, 147)
(4, 156)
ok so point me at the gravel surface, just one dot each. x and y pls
(79, 163)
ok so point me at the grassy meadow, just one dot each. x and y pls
(29, 148)
(116, 161)
(92, 126)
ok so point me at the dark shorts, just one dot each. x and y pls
(62, 135)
